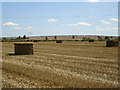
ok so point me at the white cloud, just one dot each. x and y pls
(16, 28)
(114, 19)
(107, 28)
(84, 24)
(80, 24)
(52, 20)
(93, 0)
(73, 24)
(29, 27)
(10, 24)
(23, 28)
(99, 28)
(105, 22)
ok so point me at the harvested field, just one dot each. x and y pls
(72, 64)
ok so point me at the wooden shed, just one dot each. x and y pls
(23, 48)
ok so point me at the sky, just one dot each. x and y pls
(59, 18)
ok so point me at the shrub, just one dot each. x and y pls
(107, 38)
(100, 38)
(24, 37)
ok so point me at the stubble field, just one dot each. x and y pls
(72, 64)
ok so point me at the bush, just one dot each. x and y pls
(55, 37)
(107, 38)
(86, 39)
(73, 37)
(76, 40)
(24, 37)
(100, 38)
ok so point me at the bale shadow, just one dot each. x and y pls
(11, 54)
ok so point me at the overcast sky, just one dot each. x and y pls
(59, 18)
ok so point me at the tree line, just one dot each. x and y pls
(24, 37)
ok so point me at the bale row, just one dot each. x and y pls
(27, 48)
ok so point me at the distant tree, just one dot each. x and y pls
(4, 38)
(55, 37)
(89, 39)
(107, 38)
(24, 37)
(111, 37)
(46, 38)
(73, 37)
(83, 38)
(86, 39)
(100, 38)
(19, 37)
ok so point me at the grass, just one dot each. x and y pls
(72, 64)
